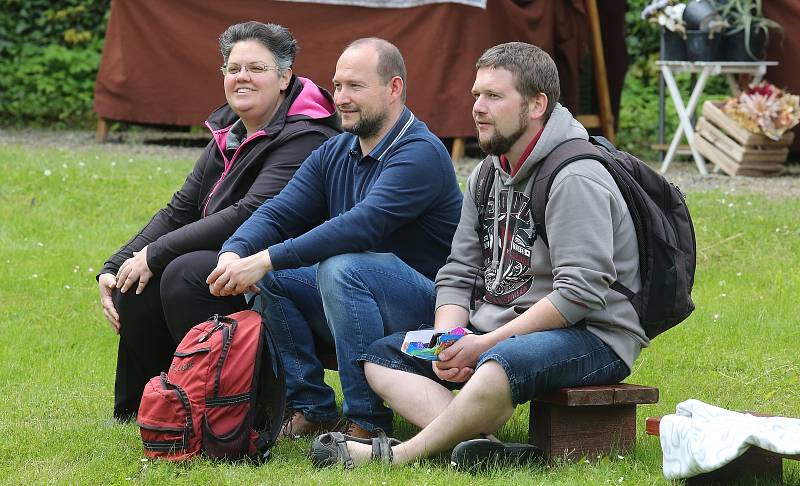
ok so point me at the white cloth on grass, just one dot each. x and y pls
(701, 438)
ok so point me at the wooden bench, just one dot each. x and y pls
(754, 463)
(572, 423)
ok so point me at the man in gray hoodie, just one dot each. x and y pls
(545, 315)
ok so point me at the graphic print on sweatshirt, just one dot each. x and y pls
(516, 243)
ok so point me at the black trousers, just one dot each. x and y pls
(154, 322)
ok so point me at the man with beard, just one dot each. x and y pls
(347, 252)
(546, 316)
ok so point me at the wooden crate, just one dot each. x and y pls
(736, 150)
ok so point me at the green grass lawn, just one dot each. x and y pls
(62, 212)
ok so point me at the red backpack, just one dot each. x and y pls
(224, 394)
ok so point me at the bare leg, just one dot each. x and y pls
(480, 408)
(416, 398)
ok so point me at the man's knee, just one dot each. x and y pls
(379, 377)
(490, 382)
(339, 269)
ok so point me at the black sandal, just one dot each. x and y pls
(481, 454)
(331, 448)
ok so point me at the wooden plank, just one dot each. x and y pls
(713, 112)
(740, 153)
(682, 149)
(652, 425)
(729, 165)
(579, 396)
(589, 121)
(619, 394)
(600, 74)
(101, 133)
(713, 154)
(625, 394)
(459, 147)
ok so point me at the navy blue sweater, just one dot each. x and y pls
(402, 198)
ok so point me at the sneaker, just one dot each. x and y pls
(354, 430)
(296, 425)
(481, 454)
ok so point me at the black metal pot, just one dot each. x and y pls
(735, 49)
(701, 47)
(673, 47)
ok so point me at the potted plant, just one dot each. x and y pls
(748, 33)
(669, 15)
(704, 26)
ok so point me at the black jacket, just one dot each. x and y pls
(222, 191)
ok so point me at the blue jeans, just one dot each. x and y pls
(347, 301)
(534, 363)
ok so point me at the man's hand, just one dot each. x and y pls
(457, 362)
(132, 270)
(455, 375)
(235, 275)
(106, 283)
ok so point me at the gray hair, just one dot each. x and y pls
(390, 61)
(276, 38)
(534, 71)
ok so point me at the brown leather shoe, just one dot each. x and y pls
(296, 425)
(354, 430)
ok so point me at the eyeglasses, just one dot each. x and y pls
(252, 68)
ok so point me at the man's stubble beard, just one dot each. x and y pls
(368, 125)
(500, 144)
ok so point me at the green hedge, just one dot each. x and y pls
(50, 59)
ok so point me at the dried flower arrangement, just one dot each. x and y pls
(764, 109)
(666, 13)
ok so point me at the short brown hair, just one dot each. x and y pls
(534, 71)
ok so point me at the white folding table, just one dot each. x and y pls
(704, 69)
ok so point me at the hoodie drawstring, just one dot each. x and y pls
(502, 243)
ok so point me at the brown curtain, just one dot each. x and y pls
(161, 61)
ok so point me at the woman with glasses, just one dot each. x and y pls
(271, 122)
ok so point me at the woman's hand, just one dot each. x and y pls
(132, 270)
(235, 275)
(106, 284)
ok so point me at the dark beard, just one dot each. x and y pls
(368, 126)
(499, 144)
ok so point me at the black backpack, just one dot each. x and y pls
(664, 230)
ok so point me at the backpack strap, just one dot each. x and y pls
(561, 156)
(483, 185)
(277, 396)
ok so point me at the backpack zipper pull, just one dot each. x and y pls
(209, 333)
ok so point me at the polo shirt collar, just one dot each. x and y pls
(391, 138)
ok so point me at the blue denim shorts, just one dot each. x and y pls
(534, 363)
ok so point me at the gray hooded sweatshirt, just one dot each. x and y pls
(592, 244)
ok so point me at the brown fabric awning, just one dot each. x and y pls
(161, 61)
(784, 49)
